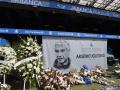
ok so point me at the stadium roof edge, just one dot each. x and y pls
(65, 6)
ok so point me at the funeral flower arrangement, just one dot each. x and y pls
(51, 79)
(8, 56)
(28, 48)
(30, 61)
(8, 59)
(27, 60)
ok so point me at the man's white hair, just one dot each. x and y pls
(63, 42)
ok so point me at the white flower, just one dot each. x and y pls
(34, 63)
(21, 56)
(29, 39)
(42, 67)
(24, 74)
(4, 85)
(28, 43)
(29, 66)
(41, 62)
(22, 68)
(36, 49)
(34, 67)
(33, 75)
(18, 50)
(37, 70)
(26, 51)
(29, 48)
(29, 54)
(12, 61)
(29, 70)
(22, 46)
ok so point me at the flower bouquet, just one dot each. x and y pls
(30, 61)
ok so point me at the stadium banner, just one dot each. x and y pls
(64, 6)
(56, 33)
(65, 53)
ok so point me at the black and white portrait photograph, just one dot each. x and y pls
(62, 50)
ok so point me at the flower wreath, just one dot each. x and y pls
(29, 52)
(30, 62)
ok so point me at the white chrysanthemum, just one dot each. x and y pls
(22, 68)
(9, 54)
(22, 46)
(42, 67)
(29, 70)
(24, 74)
(33, 75)
(26, 52)
(36, 49)
(29, 66)
(37, 70)
(4, 85)
(34, 67)
(28, 43)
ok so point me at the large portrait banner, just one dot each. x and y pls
(65, 53)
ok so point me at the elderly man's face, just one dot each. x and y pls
(62, 53)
